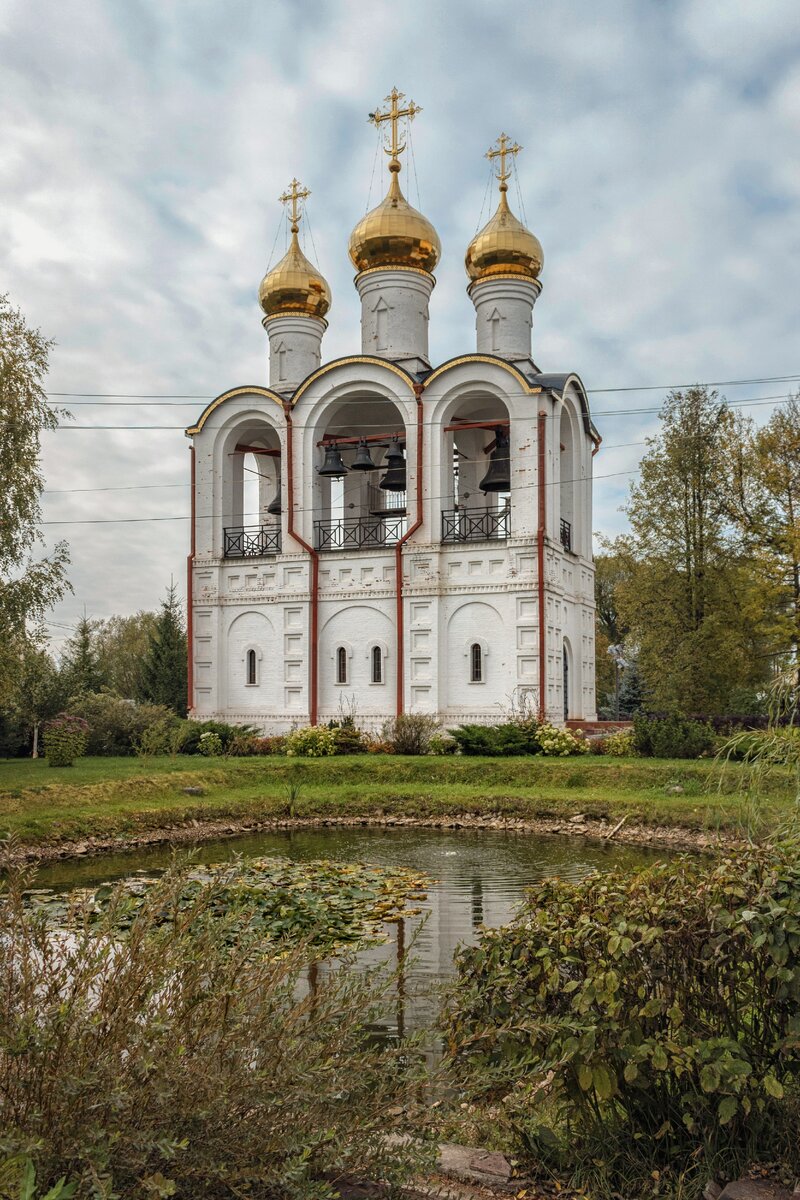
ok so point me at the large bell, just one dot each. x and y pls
(363, 459)
(274, 508)
(395, 478)
(333, 465)
(498, 477)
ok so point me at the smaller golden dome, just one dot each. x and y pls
(504, 247)
(294, 285)
(394, 234)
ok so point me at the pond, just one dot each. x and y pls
(479, 878)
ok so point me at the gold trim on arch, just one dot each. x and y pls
(483, 358)
(367, 359)
(254, 390)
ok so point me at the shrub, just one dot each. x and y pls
(442, 743)
(210, 745)
(620, 744)
(247, 745)
(317, 741)
(65, 738)
(510, 738)
(656, 1015)
(410, 733)
(179, 1059)
(671, 736)
(348, 738)
(191, 732)
(118, 726)
(560, 743)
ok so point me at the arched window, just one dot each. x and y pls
(252, 668)
(476, 663)
(376, 664)
(341, 665)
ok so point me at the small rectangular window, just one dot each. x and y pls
(377, 665)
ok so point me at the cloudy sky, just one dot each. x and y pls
(144, 144)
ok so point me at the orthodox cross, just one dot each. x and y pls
(394, 114)
(293, 193)
(502, 148)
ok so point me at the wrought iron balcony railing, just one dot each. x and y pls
(474, 524)
(359, 533)
(566, 535)
(250, 541)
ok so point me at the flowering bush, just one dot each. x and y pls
(620, 744)
(316, 741)
(210, 744)
(65, 739)
(559, 743)
(442, 743)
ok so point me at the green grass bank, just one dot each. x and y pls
(127, 797)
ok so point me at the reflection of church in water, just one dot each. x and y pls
(419, 538)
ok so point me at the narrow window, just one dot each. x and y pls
(251, 668)
(341, 665)
(377, 665)
(476, 663)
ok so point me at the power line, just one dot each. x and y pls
(654, 387)
(302, 508)
(778, 398)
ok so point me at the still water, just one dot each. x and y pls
(478, 878)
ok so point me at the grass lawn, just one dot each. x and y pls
(122, 796)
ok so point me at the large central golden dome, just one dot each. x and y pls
(504, 247)
(394, 234)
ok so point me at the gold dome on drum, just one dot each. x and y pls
(294, 286)
(504, 247)
(394, 234)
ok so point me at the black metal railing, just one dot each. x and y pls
(359, 533)
(474, 524)
(566, 535)
(249, 541)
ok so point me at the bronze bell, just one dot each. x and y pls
(363, 459)
(333, 465)
(498, 477)
(274, 507)
(395, 478)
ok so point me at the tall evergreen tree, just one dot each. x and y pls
(80, 667)
(164, 669)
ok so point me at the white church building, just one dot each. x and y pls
(377, 534)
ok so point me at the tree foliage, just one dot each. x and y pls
(28, 585)
(165, 667)
(122, 645)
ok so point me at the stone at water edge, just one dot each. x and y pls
(193, 791)
(754, 1189)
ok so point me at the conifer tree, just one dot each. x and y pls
(164, 668)
(80, 668)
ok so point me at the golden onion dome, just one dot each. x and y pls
(504, 247)
(394, 234)
(294, 285)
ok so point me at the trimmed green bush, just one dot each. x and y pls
(639, 1020)
(509, 739)
(189, 741)
(671, 736)
(65, 739)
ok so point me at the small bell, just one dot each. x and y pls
(274, 507)
(363, 459)
(395, 478)
(498, 477)
(333, 465)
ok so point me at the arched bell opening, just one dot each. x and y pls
(476, 484)
(568, 483)
(361, 475)
(251, 491)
